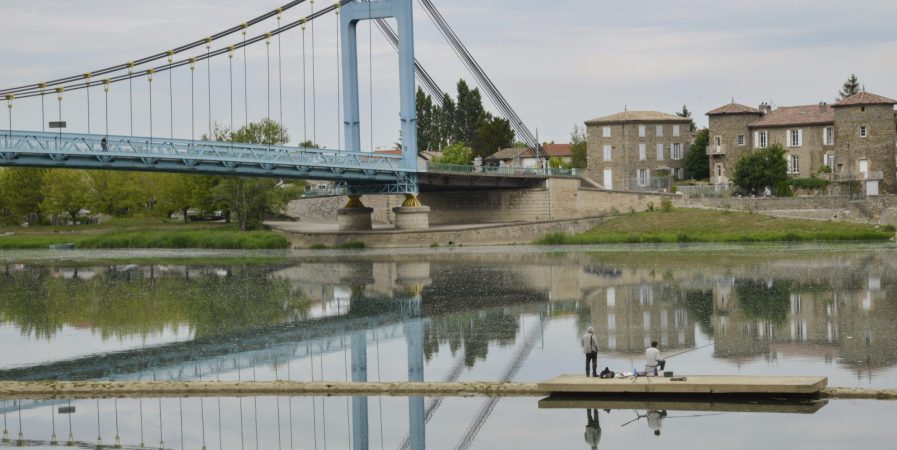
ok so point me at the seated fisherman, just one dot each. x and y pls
(652, 358)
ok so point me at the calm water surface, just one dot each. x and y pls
(452, 315)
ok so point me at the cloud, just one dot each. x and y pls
(559, 62)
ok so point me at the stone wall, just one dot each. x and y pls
(563, 199)
(881, 210)
(519, 233)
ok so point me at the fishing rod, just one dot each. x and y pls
(642, 416)
(689, 350)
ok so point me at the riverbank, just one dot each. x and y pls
(141, 234)
(702, 225)
(12, 390)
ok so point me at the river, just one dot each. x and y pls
(487, 314)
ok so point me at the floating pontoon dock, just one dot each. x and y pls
(630, 401)
(691, 385)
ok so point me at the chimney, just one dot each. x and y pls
(823, 106)
(765, 108)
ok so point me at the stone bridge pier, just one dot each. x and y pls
(412, 215)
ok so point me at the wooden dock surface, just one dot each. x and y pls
(693, 385)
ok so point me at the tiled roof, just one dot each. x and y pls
(559, 150)
(733, 108)
(865, 98)
(638, 116)
(796, 115)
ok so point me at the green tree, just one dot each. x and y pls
(121, 193)
(456, 153)
(308, 144)
(850, 87)
(578, 147)
(493, 134)
(556, 162)
(760, 170)
(176, 194)
(764, 300)
(425, 121)
(251, 199)
(20, 189)
(443, 123)
(65, 191)
(697, 163)
(687, 114)
(469, 114)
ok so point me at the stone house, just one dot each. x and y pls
(855, 138)
(637, 150)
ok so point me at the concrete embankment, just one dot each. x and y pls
(10, 390)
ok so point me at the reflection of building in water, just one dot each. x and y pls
(769, 317)
(627, 318)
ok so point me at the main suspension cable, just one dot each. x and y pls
(184, 62)
(158, 56)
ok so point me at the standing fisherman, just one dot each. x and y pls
(590, 348)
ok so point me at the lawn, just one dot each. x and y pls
(702, 225)
(134, 233)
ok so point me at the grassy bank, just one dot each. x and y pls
(145, 235)
(700, 225)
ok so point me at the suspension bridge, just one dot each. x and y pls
(355, 170)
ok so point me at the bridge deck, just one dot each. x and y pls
(692, 385)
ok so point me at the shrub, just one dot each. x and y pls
(666, 205)
(318, 246)
(811, 183)
(553, 238)
(650, 206)
(351, 245)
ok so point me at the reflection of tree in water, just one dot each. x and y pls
(475, 331)
(767, 300)
(464, 305)
(141, 302)
(700, 308)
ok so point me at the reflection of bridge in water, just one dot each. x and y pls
(376, 311)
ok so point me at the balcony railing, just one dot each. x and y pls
(716, 149)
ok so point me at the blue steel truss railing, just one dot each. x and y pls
(93, 151)
(504, 170)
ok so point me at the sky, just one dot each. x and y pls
(558, 62)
